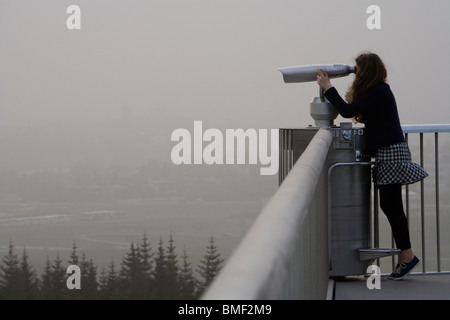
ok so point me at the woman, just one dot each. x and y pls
(371, 101)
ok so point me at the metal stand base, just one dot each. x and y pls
(376, 253)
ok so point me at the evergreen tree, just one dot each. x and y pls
(28, 282)
(172, 280)
(46, 288)
(146, 255)
(74, 260)
(83, 264)
(166, 274)
(89, 284)
(102, 283)
(188, 282)
(113, 282)
(160, 273)
(131, 274)
(53, 283)
(147, 267)
(58, 279)
(209, 265)
(10, 275)
(109, 284)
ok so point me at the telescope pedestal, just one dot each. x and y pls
(322, 111)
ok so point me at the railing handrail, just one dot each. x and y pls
(425, 128)
(257, 268)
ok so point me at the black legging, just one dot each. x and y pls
(392, 205)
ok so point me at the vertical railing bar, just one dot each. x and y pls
(286, 148)
(436, 175)
(285, 172)
(284, 154)
(422, 214)
(376, 230)
(291, 148)
(291, 157)
(286, 158)
(407, 191)
(280, 156)
(285, 132)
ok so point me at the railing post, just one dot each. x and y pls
(436, 170)
(422, 206)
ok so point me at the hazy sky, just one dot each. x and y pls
(210, 60)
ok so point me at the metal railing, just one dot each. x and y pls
(421, 131)
(284, 254)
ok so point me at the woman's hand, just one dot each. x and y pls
(322, 80)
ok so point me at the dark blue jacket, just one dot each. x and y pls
(379, 115)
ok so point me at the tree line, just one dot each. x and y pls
(141, 274)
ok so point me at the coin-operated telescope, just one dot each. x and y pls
(321, 111)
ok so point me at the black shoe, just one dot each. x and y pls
(393, 273)
(404, 268)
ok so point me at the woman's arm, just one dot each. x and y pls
(347, 110)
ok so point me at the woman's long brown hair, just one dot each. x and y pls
(370, 71)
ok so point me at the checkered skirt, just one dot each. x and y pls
(393, 165)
